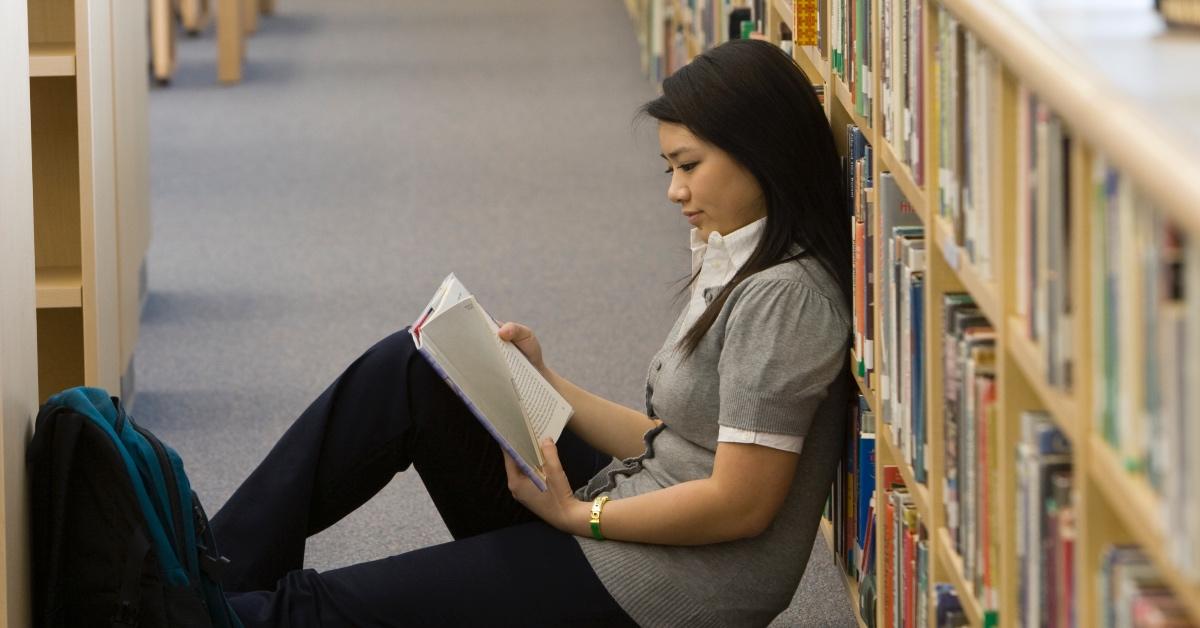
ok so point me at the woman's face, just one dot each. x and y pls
(714, 192)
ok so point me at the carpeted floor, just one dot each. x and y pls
(372, 148)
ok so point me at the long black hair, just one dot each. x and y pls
(749, 99)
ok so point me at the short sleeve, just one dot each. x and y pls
(784, 344)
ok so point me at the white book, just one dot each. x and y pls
(494, 379)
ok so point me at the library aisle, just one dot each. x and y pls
(372, 148)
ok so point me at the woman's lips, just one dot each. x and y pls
(693, 217)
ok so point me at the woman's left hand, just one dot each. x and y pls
(557, 505)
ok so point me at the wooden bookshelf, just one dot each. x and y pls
(59, 288)
(90, 145)
(863, 389)
(18, 328)
(1113, 75)
(851, 583)
(787, 12)
(982, 290)
(951, 563)
(904, 178)
(921, 494)
(52, 59)
(1061, 405)
(841, 96)
(1137, 506)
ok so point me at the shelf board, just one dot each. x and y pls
(919, 492)
(841, 94)
(984, 291)
(1138, 508)
(1061, 405)
(52, 59)
(59, 288)
(851, 584)
(952, 564)
(866, 391)
(904, 178)
(1077, 53)
(787, 11)
(810, 56)
(692, 43)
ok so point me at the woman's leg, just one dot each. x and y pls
(388, 410)
(525, 575)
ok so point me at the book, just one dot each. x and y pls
(508, 395)
(1043, 483)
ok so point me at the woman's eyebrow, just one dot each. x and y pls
(675, 153)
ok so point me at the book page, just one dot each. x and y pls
(546, 410)
(452, 292)
(463, 339)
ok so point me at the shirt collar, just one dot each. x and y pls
(736, 247)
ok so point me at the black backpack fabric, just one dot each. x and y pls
(119, 538)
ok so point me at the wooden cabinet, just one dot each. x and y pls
(90, 187)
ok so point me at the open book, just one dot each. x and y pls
(496, 381)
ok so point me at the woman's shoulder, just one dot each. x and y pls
(802, 274)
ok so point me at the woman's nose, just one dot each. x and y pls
(678, 193)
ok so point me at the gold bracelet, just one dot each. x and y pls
(597, 508)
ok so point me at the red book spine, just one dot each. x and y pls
(910, 579)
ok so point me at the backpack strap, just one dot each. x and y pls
(131, 582)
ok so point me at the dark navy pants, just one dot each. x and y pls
(387, 411)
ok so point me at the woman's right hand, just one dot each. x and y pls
(523, 337)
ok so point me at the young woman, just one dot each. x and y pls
(714, 493)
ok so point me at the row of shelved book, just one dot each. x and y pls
(1142, 271)
(1095, 290)
(1153, 438)
(893, 587)
(1145, 302)
(896, 586)
(901, 75)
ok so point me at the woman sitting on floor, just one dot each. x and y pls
(714, 492)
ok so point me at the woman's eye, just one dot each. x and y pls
(684, 167)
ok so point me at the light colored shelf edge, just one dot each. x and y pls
(983, 291)
(1152, 156)
(904, 178)
(1063, 409)
(51, 59)
(59, 288)
(819, 63)
(851, 585)
(920, 493)
(787, 11)
(952, 564)
(1139, 511)
(841, 94)
(866, 391)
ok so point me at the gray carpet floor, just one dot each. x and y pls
(372, 148)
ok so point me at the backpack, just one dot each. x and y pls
(119, 538)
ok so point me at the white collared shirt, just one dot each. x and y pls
(717, 261)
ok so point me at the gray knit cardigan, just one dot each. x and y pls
(774, 361)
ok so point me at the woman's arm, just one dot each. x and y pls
(748, 486)
(607, 426)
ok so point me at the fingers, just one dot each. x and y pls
(550, 456)
(556, 478)
(515, 477)
(515, 332)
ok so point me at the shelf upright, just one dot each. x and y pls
(87, 87)
(18, 323)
